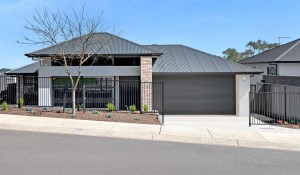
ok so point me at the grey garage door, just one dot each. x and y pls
(198, 94)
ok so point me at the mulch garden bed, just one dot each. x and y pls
(115, 116)
(281, 123)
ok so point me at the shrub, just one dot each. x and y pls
(33, 112)
(133, 108)
(20, 102)
(146, 108)
(28, 109)
(95, 112)
(4, 106)
(73, 116)
(109, 115)
(111, 107)
(79, 107)
(136, 118)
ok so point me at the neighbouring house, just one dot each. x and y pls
(280, 65)
(6, 84)
(194, 82)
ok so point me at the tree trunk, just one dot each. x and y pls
(74, 101)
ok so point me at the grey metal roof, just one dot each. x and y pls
(289, 52)
(115, 46)
(180, 58)
(28, 69)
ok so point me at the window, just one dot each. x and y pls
(272, 70)
(126, 61)
(90, 62)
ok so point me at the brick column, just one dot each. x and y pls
(19, 88)
(146, 79)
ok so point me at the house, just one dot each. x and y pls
(194, 82)
(281, 63)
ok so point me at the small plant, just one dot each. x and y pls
(111, 107)
(128, 109)
(146, 108)
(73, 116)
(28, 109)
(95, 112)
(109, 115)
(20, 102)
(33, 112)
(136, 118)
(45, 109)
(4, 106)
(133, 108)
(286, 123)
(79, 107)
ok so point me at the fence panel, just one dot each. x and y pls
(91, 93)
(274, 108)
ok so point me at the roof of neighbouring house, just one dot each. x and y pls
(183, 59)
(289, 52)
(113, 45)
(28, 69)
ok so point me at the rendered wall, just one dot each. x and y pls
(242, 83)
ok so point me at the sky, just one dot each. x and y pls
(208, 25)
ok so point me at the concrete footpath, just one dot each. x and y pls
(287, 140)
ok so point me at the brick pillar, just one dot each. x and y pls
(146, 79)
(19, 88)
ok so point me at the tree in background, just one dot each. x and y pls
(232, 54)
(253, 48)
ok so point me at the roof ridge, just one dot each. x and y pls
(215, 57)
(289, 49)
(271, 49)
(130, 42)
(199, 50)
(55, 44)
(106, 33)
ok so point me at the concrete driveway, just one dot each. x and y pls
(222, 122)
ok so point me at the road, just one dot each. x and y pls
(30, 153)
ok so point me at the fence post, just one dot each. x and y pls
(162, 113)
(285, 99)
(83, 97)
(65, 96)
(250, 96)
(19, 90)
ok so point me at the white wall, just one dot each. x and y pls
(289, 69)
(45, 92)
(242, 83)
(258, 77)
(100, 71)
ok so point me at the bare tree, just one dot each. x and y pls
(73, 37)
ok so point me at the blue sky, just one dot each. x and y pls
(208, 25)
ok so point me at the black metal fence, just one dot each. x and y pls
(91, 93)
(274, 104)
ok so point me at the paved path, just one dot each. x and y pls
(226, 137)
(35, 153)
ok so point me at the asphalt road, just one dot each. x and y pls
(30, 153)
